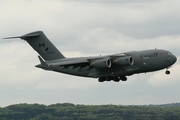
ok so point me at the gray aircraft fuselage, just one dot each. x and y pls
(144, 61)
(110, 67)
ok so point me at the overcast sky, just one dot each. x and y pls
(87, 28)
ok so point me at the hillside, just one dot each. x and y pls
(69, 111)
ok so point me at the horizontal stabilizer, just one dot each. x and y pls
(12, 37)
(25, 36)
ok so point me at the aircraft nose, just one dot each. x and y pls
(174, 58)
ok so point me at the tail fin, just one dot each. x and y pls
(40, 43)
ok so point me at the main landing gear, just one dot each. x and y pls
(115, 79)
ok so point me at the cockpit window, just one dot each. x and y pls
(164, 53)
(169, 53)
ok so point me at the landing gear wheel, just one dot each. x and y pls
(167, 72)
(123, 78)
(101, 80)
(116, 79)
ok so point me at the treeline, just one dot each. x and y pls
(69, 111)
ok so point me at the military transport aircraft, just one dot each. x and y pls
(106, 68)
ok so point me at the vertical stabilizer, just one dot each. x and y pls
(40, 43)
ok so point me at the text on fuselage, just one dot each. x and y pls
(149, 55)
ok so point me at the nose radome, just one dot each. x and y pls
(174, 59)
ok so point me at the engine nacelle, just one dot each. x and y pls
(124, 61)
(102, 63)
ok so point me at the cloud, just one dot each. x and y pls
(111, 1)
(22, 16)
(51, 82)
(105, 41)
(87, 28)
(14, 64)
(138, 20)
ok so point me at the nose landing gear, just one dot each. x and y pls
(167, 72)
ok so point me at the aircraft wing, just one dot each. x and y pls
(87, 60)
(98, 62)
(71, 62)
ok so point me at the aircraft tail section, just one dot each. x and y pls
(40, 43)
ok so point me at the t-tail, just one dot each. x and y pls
(40, 43)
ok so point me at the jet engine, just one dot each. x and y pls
(124, 61)
(102, 63)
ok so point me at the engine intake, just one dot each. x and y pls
(124, 61)
(102, 63)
